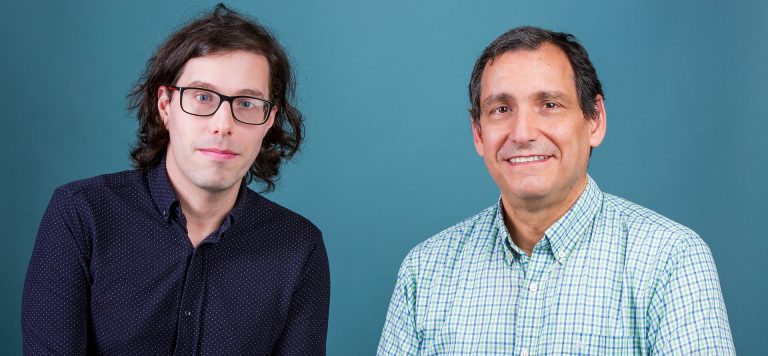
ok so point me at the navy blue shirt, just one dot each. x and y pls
(113, 272)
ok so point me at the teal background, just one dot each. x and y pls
(388, 159)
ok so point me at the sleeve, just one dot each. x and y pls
(54, 309)
(400, 335)
(307, 326)
(687, 314)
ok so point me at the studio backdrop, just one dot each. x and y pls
(388, 159)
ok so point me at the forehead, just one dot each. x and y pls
(229, 72)
(523, 72)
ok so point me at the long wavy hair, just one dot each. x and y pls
(220, 31)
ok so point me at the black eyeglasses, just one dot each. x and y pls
(204, 102)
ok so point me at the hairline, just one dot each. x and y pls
(497, 54)
(224, 52)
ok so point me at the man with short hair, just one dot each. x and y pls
(556, 267)
(179, 256)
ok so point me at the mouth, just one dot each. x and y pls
(522, 160)
(219, 154)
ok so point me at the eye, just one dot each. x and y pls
(501, 110)
(551, 105)
(203, 97)
(248, 104)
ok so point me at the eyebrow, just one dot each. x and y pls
(209, 86)
(551, 95)
(496, 97)
(542, 95)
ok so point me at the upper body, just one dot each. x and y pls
(609, 278)
(179, 257)
(556, 267)
(114, 272)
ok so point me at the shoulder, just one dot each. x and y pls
(77, 207)
(651, 234)
(260, 211)
(97, 194)
(444, 248)
(643, 222)
(673, 278)
(92, 188)
(99, 200)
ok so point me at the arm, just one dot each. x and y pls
(307, 325)
(54, 309)
(400, 335)
(687, 314)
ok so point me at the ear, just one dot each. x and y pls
(597, 125)
(272, 114)
(163, 103)
(477, 136)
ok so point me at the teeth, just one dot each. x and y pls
(526, 159)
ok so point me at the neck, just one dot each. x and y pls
(527, 221)
(203, 210)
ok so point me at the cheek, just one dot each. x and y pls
(175, 131)
(184, 133)
(574, 140)
(254, 142)
(493, 140)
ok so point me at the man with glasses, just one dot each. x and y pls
(179, 256)
(556, 266)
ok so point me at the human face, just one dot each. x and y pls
(213, 153)
(532, 133)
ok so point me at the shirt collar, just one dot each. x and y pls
(160, 189)
(511, 249)
(563, 235)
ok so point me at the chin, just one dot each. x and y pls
(529, 189)
(217, 187)
(216, 182)
(530, 183)
(529, 194)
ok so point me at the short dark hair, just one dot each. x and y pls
(530, 38)
(220, 31)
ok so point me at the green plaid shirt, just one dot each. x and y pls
(609, 278)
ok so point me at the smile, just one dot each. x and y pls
(527, 159)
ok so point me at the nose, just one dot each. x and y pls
(522, 128)
(221, 122)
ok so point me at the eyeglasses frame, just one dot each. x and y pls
(230, 99)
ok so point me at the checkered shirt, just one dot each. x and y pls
(608, 278)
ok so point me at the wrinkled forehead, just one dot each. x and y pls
(523, 72)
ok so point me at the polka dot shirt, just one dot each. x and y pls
(113, 272)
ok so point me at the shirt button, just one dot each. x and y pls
(187, 313)
(524, 352)
(561, 254)
(533, 287)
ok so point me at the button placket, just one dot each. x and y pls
(189, 322)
